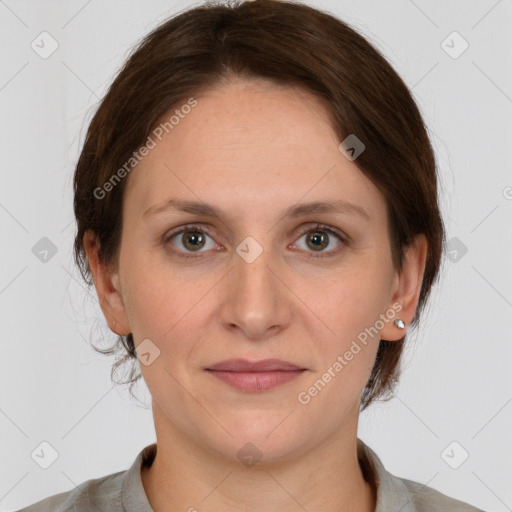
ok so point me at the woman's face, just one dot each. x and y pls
(255, 283)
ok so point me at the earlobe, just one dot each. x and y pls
(399, 323)
(106, 282)
(406, 297)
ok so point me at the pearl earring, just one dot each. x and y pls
(399, 323)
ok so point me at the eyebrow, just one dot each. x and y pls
(298, 210)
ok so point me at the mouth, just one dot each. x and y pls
(255, 376)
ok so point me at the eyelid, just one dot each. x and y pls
(187, 227)
(311, 226)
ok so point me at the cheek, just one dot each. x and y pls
(351, 301)
(156, 293)
(350, 306)
(160, 307)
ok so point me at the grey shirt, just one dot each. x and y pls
(124, 492)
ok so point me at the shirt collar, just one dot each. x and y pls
(391, 491)
(133, 495)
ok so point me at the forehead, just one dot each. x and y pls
(250, 143)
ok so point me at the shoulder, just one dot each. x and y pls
(99, 493)
(396, 493)
(426, 499)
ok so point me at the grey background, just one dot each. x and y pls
(456, 383)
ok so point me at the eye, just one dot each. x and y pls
(193, 239)
(318, 237)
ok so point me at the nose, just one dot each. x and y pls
(257, 300)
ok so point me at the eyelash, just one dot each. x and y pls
(318, 227)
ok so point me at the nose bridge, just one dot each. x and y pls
(253, 271)
(256, 300)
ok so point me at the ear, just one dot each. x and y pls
(106, 281)
(406, 288)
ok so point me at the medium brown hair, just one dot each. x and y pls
(291, 44)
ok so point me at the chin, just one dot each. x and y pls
(266, 438)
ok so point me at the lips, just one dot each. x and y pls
(243, 365)
(258, 376)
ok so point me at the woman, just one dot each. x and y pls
(256, 203)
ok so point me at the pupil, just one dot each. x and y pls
(196, 238)
(317, 237)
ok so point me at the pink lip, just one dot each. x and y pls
(265, 365)
(258, 376)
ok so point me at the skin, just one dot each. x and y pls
(253, 149)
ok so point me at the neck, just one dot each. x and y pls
(186, 476)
